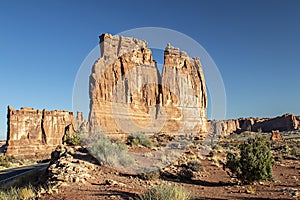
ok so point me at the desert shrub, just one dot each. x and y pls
(119, 143)
(295, 152)
(166, 192)
(185, 174)
(139, 138)
(186, 171)
(26, 193)
(107, 152)
(9, 194)
(72, 139)
(254, 163)
(150, 175)
(6, 161)
(13, 193)
(195, 166)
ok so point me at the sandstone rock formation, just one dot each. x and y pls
(226, 127)
(246, 124)
(127, 93)
(276, 136)
(35, 133)
(183, 92)
(286, 122)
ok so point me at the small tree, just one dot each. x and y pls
(72, 139)
(255, 162)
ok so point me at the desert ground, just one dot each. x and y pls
(74, 174)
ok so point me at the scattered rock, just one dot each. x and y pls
(111, 182)
(64, 168)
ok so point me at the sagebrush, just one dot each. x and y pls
(139, 138)
(106, 151)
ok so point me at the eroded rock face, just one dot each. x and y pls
(127, 93)
(286, 122)
(184, 95)
(35, 133)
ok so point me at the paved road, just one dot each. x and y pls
(9, 174)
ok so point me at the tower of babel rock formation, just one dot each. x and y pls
(36, 133)
(128, 94)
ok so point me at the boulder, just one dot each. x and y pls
(276, 136)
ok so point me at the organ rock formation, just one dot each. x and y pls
(128, 94)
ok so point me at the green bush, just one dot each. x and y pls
(166, 192)
(72, 139)
(6, 161)
(139, 138)
(107, 152)
(255, 162)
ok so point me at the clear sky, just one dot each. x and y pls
(255, 44)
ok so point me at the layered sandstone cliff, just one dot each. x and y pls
(127, 93)
(35, 133)
(286, 122)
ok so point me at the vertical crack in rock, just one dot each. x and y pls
(119, 46)
(44, 137)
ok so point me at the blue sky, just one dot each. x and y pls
(255, 44)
